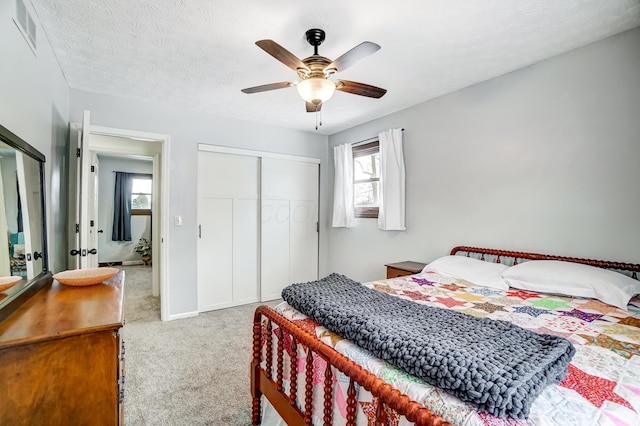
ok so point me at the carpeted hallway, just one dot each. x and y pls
(191, 371)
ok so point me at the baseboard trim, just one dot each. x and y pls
(183, 315)
(121, 262)
(103, 264)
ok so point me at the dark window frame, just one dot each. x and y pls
(363, 151)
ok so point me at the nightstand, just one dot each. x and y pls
(401, 269)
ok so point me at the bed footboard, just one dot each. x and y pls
(269, 380)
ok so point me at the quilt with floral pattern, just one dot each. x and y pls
(602, 386)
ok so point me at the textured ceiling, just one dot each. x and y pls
(198, 54)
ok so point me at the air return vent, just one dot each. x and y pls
(26, 24)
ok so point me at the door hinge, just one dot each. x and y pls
(93, 169)
(91, 223)
(77, 228)
(78, 152)
(317, 226)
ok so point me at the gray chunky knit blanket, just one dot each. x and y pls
(496, 366)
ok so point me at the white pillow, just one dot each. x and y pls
(573, 279)
(475, 271)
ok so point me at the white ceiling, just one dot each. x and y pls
(198, 54)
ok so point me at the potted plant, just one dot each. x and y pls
(144, 248)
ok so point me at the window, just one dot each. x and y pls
(141, 195)
(366, 179)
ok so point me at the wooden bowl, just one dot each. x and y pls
(7, 282)
(84, 277)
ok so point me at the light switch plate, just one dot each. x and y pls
(177, 220)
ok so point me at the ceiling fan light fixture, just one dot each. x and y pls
(316, 90)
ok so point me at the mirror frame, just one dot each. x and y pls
(13, 302)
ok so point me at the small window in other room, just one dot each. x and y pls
(366, 179)
(141, 195)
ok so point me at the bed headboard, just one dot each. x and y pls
(509, 258)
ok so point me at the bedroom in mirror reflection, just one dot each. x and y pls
(20, 223)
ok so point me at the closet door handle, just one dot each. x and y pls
(199, 231)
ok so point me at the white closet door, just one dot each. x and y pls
(275, 249)
(289, 246)
(215, 248)
(228, 234)
(303, 240)
(246, 250)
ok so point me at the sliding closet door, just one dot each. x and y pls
(228, 230)
(289, 224)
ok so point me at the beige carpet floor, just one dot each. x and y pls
(192, 371)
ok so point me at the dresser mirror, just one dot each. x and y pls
(23, 236)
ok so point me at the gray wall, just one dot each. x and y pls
(543, 159)
(35, 106)
(187, 129)
(118, 251)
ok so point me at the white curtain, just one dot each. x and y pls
(343, 213)
(392, 181)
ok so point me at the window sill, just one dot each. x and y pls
(366, 212)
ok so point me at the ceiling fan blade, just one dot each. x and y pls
(281, 54)
(266, 87)
(349, 58)
(360, 89)
(312, 108)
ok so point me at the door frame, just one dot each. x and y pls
(161, 170)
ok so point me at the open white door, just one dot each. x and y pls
(85, 164)
(80, 194)
(75, 145)
(91, 226)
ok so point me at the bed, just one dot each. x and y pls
(336, 382)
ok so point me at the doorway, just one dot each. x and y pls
(100, 145)
(112, 250)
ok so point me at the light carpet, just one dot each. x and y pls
(192, 371)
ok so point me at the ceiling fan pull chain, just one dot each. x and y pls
(318, 114)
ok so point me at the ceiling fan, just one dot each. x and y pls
(315, 72)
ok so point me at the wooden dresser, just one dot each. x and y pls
(62, 357)
(401, 269)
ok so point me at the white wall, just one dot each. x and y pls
(544, 159)
(118, 251)
(187, 129)
(35, 106)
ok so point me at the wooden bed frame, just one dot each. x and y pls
(264, 383)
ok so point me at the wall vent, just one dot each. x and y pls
(25, 23)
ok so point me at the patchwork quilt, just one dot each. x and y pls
(602, 386)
